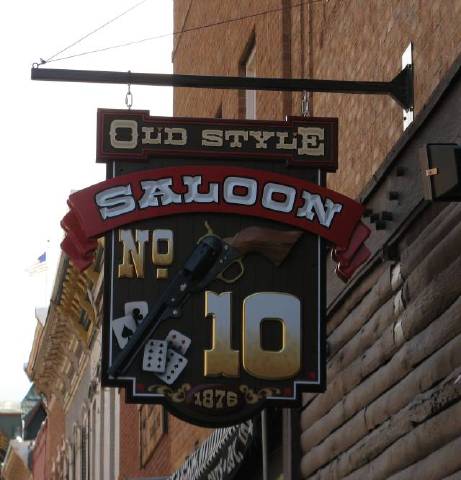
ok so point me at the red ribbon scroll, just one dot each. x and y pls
(162, 192)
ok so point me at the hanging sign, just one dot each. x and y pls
(214, 269)
(133, 136)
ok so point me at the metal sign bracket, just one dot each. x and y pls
(400, 88)
(407, 66)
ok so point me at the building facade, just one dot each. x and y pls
(90, 433)
(17, 461)
(393, 366)
(10, 425)
(392, 406)
(80, 437)
(17, 442)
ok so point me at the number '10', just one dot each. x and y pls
(260, 363)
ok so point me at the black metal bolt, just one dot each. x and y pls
(380, 225)
(394, 195)
(387, 216)
(367, 212)
(390, 252)
(374, 217)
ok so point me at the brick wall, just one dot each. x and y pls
(330, 39)
(374, 35)
(171, 452)
(346, 40)
(55, 433)
(39, 463)
(219, 50)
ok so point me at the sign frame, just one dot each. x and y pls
(269, 214)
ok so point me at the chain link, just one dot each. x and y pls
(129, 95)
(305, 105)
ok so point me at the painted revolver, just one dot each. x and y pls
(211, 258)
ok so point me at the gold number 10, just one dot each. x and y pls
(260, 363)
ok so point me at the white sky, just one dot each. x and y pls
(48, 138)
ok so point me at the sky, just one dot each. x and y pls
(48, 139)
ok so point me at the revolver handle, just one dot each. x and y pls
(275, 245)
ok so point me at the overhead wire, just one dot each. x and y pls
(158, 37)
(50, 59)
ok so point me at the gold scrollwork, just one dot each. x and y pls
(252, 397)
(177, 396)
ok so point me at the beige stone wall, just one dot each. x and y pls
(392, 408)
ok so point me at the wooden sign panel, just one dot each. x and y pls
(133, 136)
(230, 348)
(214, 272)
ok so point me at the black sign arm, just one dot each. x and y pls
(400, 87)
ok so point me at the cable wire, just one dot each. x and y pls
(91, 33)
(186, 30)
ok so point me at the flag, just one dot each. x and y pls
(39, 266)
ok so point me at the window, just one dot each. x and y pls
(250, 95)
(99, 259)
(84, 319)
(88, 444)
(83, 453)
(152, 423)
(93, 453)
(247, 68)
(67, 461)
(82, 440)
(73, 460)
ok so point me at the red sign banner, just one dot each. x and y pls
(227, 190)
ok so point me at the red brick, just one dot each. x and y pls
(353, 40)
(170, 453)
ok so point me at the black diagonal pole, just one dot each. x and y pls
(400, 88)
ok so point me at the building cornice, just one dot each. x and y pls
(60, 348)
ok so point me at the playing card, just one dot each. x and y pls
(178, 342)
(138, 310)
(154, 359)
(123, 328)
(175, 364)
